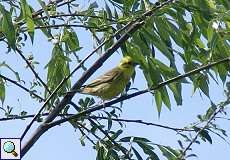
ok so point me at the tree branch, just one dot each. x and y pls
(134, 26)
(71, 25)
(81, 125)
(83, 133)
(32, 69)
(75, 15)
(40, 110)
(221, 106)
(35, 14)
(22, 87)
(142, 122)
(125, 97)
(108, 136)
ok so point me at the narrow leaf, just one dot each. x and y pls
(8, 27)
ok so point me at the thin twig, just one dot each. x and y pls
(75, 15)
(84, 134)
(134, 26)
(92, 69)
(72, 25)
(67, 98)
(224, 118)
(15, 117)
(56, 2)
(81, 125)
(22, 87)
(112, 140)
(203, 128)
(40, 110)
(142, 122)
(32, 69)
(125, 97)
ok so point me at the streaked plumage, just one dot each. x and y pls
(113, 82)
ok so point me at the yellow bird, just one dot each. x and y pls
(113, 82)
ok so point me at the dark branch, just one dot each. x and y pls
(22, 87)
(76, 15)
(39, 12)
(142, 122)
(217, 111)
(83, 133)
(32, 69)
(134, 26)
(123, 150)
(41, 109)
(125, 97)
(72, 25)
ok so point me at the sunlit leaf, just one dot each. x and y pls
(2, 91)
(27, 15)
(8, 27)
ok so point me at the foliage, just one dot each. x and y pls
(167, 38)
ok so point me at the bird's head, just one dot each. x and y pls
(127, 63)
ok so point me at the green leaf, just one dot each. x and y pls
(82, 138)
(2, 90)
(165, 97)
(148, 150)
(134, 139)
(100, 153)
(154, 72)
(164, 69)
(45, 31)
(119, 1)
(159, 21)
(108, 11)
(71, 40)
(212, 44)
(158, 100)
(174, 32)
(113, 154)
(205, 135)
(4, 64)
(137, 154)
(8, 27)
(58, 69)
(176, 89)
(27, 15)
(116, 134)
(155, 39)
(140, 41)
(210, 111)
(109, 122)
(210, 32)
(203, 84)
(44, 7)
(167, 152)
(223, 72)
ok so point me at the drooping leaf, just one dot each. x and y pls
(2, 90)
(148, 149)
(7, 27)
(169, 153)
(58, 69)
(27, 15)
(137, 154)
(71, 40)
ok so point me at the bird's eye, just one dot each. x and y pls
(129, 62)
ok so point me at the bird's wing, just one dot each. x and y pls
(107, 77)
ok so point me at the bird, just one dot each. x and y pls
(113, 82)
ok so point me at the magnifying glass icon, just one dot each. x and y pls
(9, 147)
